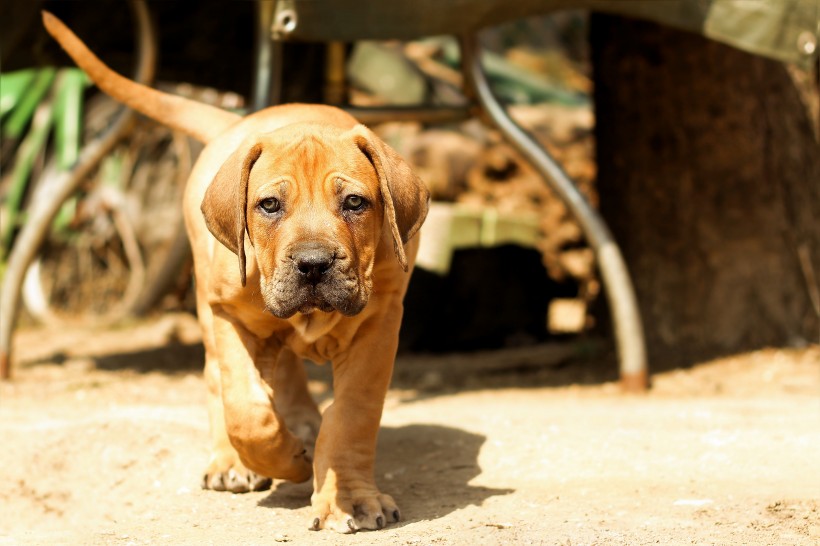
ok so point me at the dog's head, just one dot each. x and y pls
(313, 201)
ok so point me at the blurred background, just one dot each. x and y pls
(702, 157)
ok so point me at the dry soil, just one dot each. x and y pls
(104, 440)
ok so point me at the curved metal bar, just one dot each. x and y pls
(58, 187)
(620, 292)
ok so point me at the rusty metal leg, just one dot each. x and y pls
(617, 283)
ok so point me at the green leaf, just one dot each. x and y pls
(33, 95)
(68, 114)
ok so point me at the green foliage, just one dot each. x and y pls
(34, 105)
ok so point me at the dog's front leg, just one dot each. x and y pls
(257, 432)
(345, 497)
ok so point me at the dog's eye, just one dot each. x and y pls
(270, 205)
(354, 202)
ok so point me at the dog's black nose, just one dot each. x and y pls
(313, 262)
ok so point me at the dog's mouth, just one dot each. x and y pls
(311, 306)
(286, 297)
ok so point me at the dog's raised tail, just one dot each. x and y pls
(199, 120)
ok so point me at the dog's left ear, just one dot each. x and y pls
(226, 200)
(406, 199)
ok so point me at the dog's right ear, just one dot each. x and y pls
(226, 201)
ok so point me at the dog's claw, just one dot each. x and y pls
(352, 525)
(396, 515)
(380, 522)
(236, 481)
(260, 483)
(316, 524)
(217, 483)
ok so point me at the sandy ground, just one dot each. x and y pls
(104, 440)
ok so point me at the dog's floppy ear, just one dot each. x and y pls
(226, 201)
(405, 196)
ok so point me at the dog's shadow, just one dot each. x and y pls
(426, 468)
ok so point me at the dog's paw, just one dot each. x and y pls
(231, 475)
(353, 512)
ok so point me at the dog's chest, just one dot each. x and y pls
(314, 336)
(313, 326)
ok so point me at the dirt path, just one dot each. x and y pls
(104, 439)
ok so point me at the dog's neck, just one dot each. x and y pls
(310, 327)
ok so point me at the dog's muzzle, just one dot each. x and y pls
(314, 276)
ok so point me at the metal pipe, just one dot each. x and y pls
(56, 188)
(266, 69)
(614, 274)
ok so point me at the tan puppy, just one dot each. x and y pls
(302, 225)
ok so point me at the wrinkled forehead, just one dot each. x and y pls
(312, 152)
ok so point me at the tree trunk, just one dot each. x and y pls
(709, 176)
